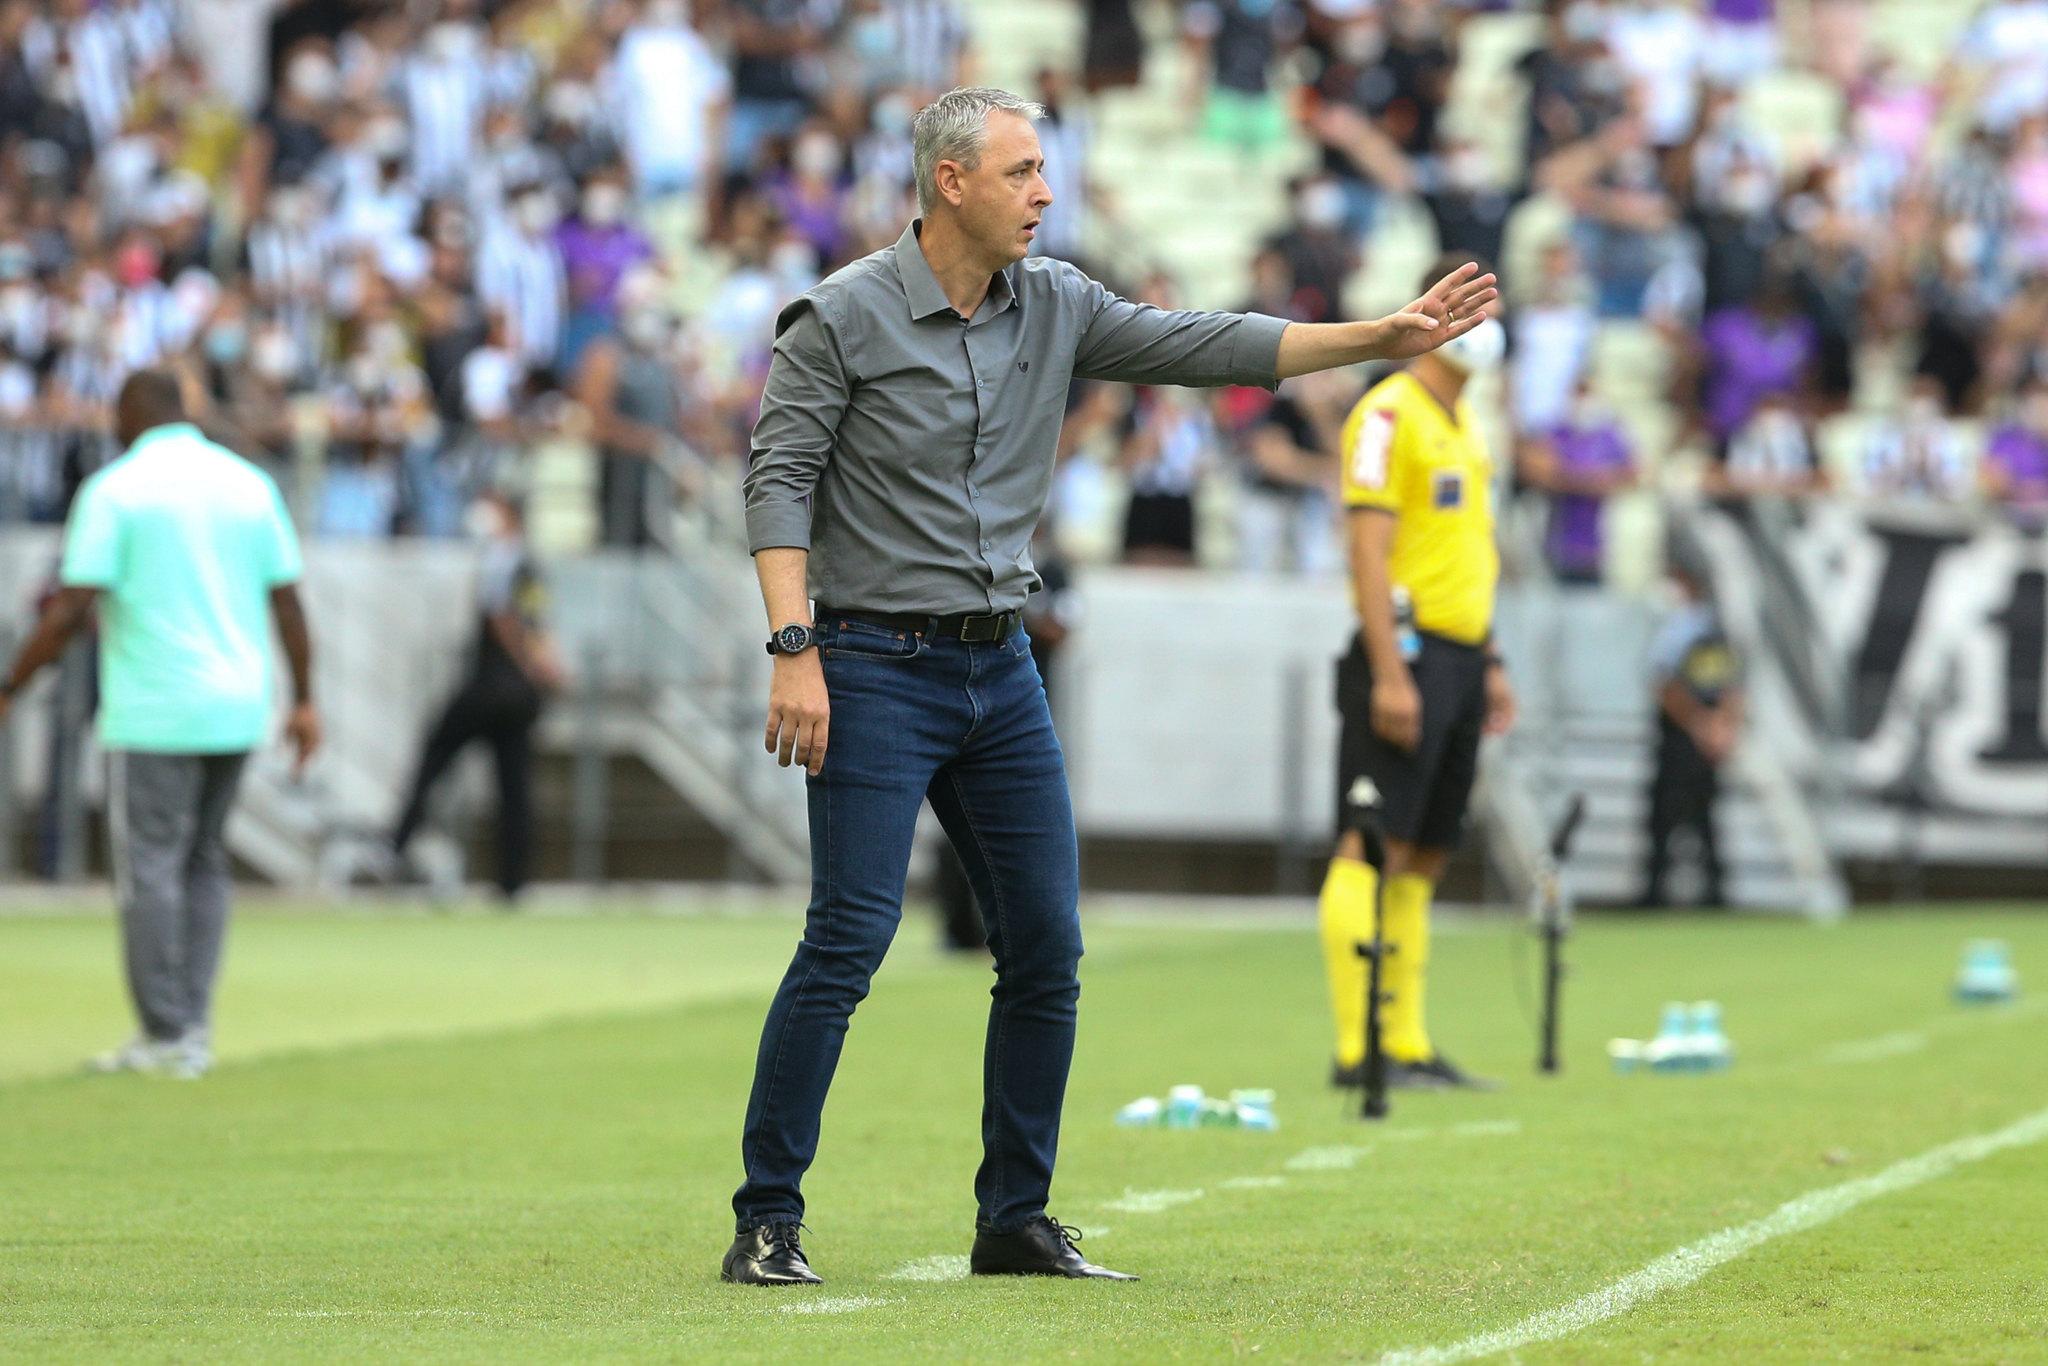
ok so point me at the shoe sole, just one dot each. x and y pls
(728, 1278)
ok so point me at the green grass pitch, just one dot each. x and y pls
(481, 1138)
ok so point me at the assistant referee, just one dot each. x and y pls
(1417, 688)
(902, 458)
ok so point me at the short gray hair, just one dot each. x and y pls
(954, 127)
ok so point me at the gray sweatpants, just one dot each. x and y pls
(169, 814)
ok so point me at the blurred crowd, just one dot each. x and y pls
(1836, 267)
(414, 250)
(404, 246)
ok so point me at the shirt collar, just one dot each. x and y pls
(164, 432)
(921, 288)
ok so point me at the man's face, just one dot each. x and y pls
(1002, 198)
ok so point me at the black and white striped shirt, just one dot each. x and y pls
(521, 276)
(444, 103)
(928, 37)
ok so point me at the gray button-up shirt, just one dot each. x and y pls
(911, 450)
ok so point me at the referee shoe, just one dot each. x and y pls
(1435, 1073)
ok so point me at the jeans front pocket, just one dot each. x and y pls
(840, 638)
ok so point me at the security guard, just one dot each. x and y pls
(1419, 685)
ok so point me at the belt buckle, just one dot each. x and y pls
(972, 629)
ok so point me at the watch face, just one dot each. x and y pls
(793, 639)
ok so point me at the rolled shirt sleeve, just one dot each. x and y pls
(806, 395)
(92, 540)
(1140, 344)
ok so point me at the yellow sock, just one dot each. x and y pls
(1345, 913)
(1407, 968)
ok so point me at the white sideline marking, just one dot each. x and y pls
(1689, 1263)
(1091, 1231)
(841, 1304)
(1486, 1128)
(373, 1313)
(945, 1266)
(1333, 1159)
(1873, 1050)
(1254, 1183)
(1151, 1202)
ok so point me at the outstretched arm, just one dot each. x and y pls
(63, 617)
(1453, 306)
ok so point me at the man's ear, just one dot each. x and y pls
(947, 177)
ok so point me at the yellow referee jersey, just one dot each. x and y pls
(1402, 452)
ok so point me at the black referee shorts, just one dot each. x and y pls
(1422, 791)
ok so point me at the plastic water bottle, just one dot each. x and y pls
(1625, 1054)
(1405, 637)
(1987, 973)
(1254, 1110)
(1671, 1050)
(1711, 1050)
(1184, 1107)
(1142, 1113)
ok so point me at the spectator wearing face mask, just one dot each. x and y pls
(519, 273)
(1575, 85)
(773, 42)
(1581, 462)
(290, 133)
(443, 90)
(1663, 47)
(1761, 350)
(1320, 253)
(1553, 331)
(675, 100)
(1770, 455)
(1734, 204)
(628, 384)
(1741, 42)
(598, 247)
(811, 195)
(1626, 219)
(1232, 45)
(1466, 199)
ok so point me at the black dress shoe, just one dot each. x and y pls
(768, 1254)
(1043, 1247)
(1350, 1078)
(1435, 1074)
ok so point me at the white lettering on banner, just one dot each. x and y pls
(1942, 639)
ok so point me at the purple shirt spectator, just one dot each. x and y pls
(1750, 357)
(595, 259)
(1575, 543)
(1743, 11)
(819, 220)
(2021, 455)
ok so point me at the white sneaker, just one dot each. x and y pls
(139, 1054)
(191, 1057)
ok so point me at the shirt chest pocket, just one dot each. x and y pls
(929, 416)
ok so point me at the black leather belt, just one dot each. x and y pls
(994, 627)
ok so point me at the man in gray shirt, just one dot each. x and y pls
(902, 458)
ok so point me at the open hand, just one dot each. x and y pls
(1453, 306)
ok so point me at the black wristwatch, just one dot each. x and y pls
(792, 639)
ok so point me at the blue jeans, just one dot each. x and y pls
(965, 727)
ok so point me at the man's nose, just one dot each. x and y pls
(1043, 196)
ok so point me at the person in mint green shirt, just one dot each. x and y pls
(187, 552)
